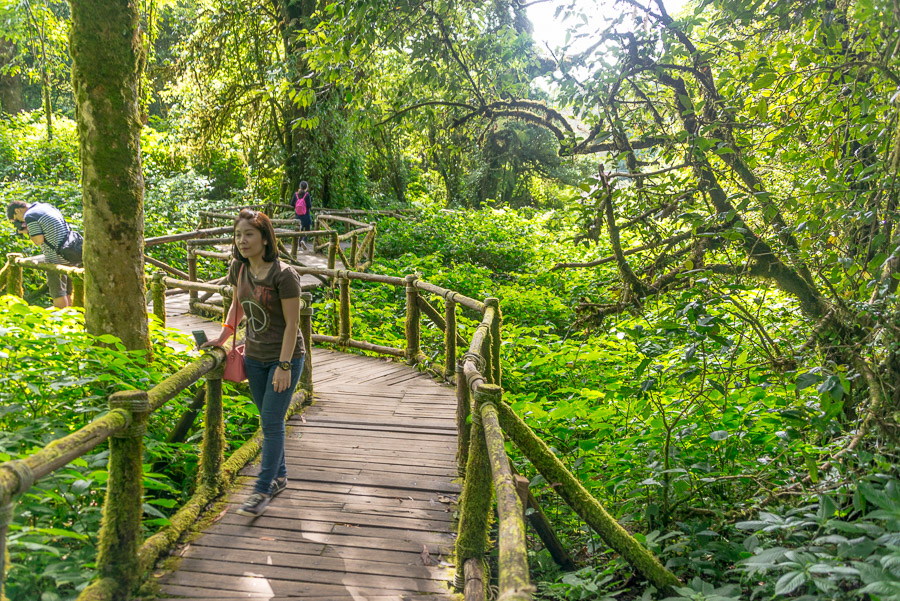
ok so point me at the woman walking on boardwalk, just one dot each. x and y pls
(267, 292)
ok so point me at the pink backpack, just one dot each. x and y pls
(300, 205)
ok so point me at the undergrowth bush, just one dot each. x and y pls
(55, 379)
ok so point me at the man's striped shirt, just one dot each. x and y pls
(45, 219)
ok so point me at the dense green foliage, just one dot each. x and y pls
(56, 379)
(689, 219)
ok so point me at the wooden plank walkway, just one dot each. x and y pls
(368, 514)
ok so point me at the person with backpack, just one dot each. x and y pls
(302, 202)
(46, 227)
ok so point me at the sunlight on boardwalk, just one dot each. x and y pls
(369, 507)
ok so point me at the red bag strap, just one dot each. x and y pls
(234, 329)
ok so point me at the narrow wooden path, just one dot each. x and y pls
(369, 509)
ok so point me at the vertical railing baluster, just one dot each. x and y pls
(345, 326)
(192, 276)
(77, 290)
(14, 284)
(371, 258)
(450, 336)
(332, 249)
(158, 291)
(463, 427)
(494, 357)
(120, 531)
(212, 450)
(412, 320)
(354, 249)
(306, 314)
(475, 500)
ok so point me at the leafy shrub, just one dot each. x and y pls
(25, 152)
(55, 379)
(497, 239)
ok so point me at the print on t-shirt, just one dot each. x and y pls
(257, 318)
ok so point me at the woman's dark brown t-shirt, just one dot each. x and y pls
(261, 301)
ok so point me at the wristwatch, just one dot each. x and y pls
(285, 365)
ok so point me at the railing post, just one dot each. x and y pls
(192, 275)
(77, 290)
(158, 291)
(295, 245)
(463, 428)
(212, 450)
(344, 335)
(354, 249)
(306, 314)
(7, 509)
(372, 245)
(475, 500)
(332, 249)
(494, 357)
(412, 320)
(120, 531)
(14, 284)
(450, 336)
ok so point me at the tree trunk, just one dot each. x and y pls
(107, 55)
(295, 15)
(12, 91)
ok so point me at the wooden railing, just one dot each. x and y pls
(122, 556)
(483, 423)
(484, 420)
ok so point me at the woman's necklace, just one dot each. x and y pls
(260, 272)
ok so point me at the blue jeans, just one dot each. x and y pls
(272, 408)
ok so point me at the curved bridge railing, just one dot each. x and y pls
(484, 421)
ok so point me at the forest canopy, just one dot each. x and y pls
(690, 219)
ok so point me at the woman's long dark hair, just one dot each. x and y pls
(261, 222)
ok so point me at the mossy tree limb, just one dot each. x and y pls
(107, 47)
(579, 499)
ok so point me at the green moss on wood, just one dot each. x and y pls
(158, 291)
(345, 324)
(14, 285)
(212, 451)
(475, 500)
(513, 551)
(579, 499)
(105, 589)
(412, 321)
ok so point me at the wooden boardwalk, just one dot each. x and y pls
(368, 514)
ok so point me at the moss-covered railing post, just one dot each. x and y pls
(354, 250)
(306, 313)
(580, 500)
(371, 252)
(77, 290)
(14, 284)
(192, 274)
(120, 531)
(332, 249)
(7, 508)
(344, 334)
(475, 500)
(494, 357)
(450, 337)
(412, 320)
(158, 292)
(513, 552)
(463, 427)
(212, 449)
